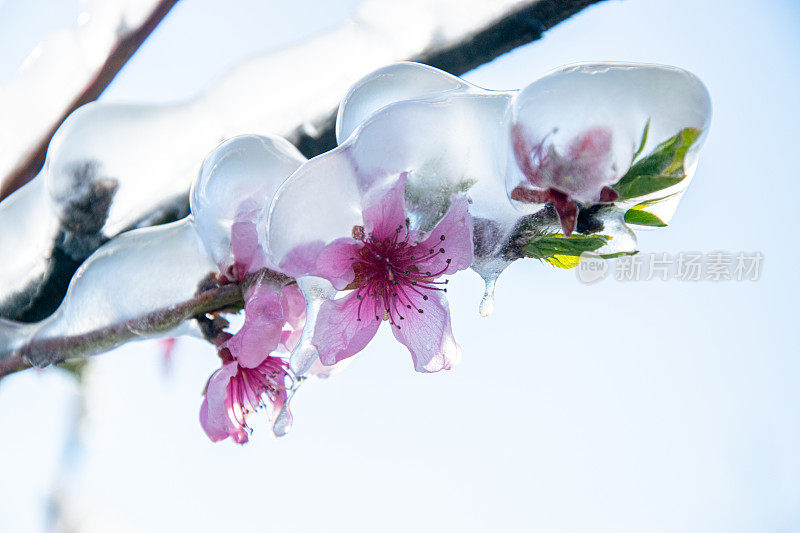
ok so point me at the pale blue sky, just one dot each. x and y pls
(650, 406)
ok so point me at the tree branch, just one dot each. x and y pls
(43, 352)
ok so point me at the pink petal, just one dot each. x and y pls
(248, 255)
(213, 413)
(335, 262)
(428, 335)
(456, 228)
(261, 332)
(294, 313)
(321, 371)
(522, 153)
(339, 334)
(290, 338)
(301, 260)
(590, 154)
(384, 209)
(331, 262)
(293, 305)
(592, 147)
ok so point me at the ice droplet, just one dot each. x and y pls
(283, 422)
(487, 302)
(315, 291)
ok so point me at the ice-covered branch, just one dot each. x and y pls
(57, 349)
(150, 281)
(69, 69)
(112, 168)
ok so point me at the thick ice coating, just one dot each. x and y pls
(542, 163)
(25, 250)
(134, 275)
(576, 132)
(233, 191)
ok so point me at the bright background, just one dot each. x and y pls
(650, 406)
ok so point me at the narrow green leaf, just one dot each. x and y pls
(654, 201)
(618, 254)
(644, 140)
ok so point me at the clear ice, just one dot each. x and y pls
(141, 159)
(451, 136)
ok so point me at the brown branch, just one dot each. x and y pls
(54, 350)
(119, 55)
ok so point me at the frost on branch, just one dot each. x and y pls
(26, 251)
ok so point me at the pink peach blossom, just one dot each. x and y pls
(235, 391)
(393, 272)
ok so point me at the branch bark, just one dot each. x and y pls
(43, 352)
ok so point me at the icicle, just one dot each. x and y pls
(283, 422)
(315, 291)
(487, 302)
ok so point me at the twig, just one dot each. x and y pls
(44, 352)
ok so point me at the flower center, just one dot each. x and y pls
(252, 388)
(395, 273)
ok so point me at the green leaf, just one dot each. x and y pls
(654, 201)
(561, 251)
(640, 217)
(643, 185)
(662, 168)
(564, 261)
(644, 140)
